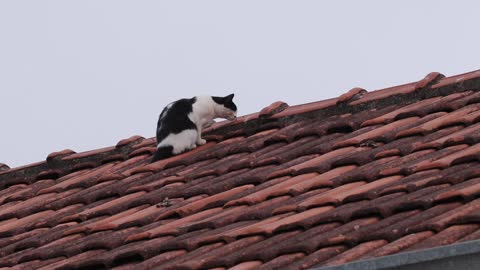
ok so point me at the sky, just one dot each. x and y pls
(83, 75)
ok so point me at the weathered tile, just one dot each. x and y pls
(355, 253)
(445, 237)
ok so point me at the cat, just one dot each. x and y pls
(180, 124)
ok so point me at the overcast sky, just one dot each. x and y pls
(84, 74)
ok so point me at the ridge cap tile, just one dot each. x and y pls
(272, 109)
(307, 107)
(4, 167)
(352, 95)
(429, 79)
(60, 154)
(131, 140)
(457, 79)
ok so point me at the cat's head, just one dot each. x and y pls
(226, 108)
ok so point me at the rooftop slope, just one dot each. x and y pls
(364, 175)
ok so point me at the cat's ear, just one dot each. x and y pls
(229, 98)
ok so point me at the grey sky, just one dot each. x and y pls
(85, 74)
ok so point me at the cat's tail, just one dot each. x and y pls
(163, 152)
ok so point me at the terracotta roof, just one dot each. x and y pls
(364, 175)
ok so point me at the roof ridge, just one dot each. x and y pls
(277, 115)
(67, 161)
(355, 100)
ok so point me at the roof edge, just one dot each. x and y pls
(452, 257)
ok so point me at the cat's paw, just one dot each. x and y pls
(201, 141)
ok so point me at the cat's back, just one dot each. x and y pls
(174, 117)
(176, 109)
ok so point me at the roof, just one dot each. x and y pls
(360, 176)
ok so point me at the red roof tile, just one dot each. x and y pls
(364, 175)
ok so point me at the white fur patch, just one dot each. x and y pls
(180, 142)
(167, 108)
(202, 111)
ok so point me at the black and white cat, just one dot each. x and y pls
(180, 124)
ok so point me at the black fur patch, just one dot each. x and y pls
(176, 120)
(226, 101)
(162, 153)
